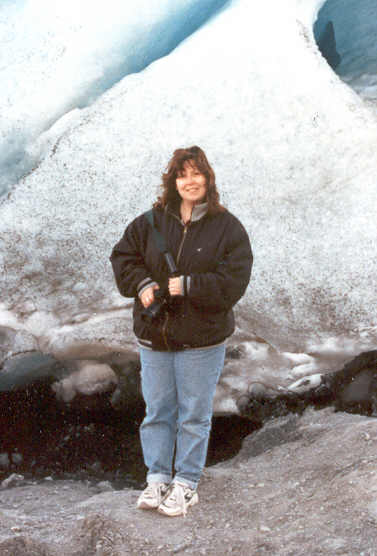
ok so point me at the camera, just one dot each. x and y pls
(155, 309)
(162, 297)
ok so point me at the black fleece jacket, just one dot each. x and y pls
(213, 255)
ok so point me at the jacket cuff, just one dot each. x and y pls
(185, 284)
(145, 284)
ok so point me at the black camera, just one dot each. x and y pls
(155, 309)
(162, 297)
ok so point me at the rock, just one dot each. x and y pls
(21, 370)
(13, 340)
(4, 460)
(300, 485)
(104, 486)
(12, 480)
(17, 458)
(352, 389)
(90, 378)
(355, 386)
(21, 546)
(127, 396)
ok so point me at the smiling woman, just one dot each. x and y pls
(191, 186)
(181, 351)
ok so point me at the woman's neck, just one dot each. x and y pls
(186, 211)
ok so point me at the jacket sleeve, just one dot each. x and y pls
(127, 259)
(220, 290)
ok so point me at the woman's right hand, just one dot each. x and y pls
(147, 297)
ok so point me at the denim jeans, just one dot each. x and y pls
(178, 389)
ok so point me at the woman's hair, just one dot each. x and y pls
(170, 195)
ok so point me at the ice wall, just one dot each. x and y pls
(57, 58)
(355, 39)
(257, 95)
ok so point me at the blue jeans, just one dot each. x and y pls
(178, 389)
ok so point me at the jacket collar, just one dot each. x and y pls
(198, 211)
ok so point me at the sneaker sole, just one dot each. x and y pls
(145, 506)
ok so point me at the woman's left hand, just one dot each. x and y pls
(175, 287)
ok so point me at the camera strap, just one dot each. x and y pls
(157, 235)
(161, 244)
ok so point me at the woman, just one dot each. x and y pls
(182, 347)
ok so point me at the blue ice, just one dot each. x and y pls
(350, 46)
(56, 57)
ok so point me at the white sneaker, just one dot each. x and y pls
(152, 496)
(178, 498)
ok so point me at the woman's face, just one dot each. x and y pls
(191, 183)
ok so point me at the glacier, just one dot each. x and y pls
(354, 26)
(57, 59)
(293, 147)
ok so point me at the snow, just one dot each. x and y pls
(254, 91)
(58, 57)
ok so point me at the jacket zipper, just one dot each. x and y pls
(165, 325)
(182, 242)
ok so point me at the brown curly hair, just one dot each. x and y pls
(196, 156)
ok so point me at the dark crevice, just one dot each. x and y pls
(96, 437)
(327, 44)
(41, 438)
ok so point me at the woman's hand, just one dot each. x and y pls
(147, 297)
(175, 286)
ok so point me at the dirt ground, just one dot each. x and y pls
(301, 485)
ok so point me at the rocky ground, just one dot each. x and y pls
(301, 485)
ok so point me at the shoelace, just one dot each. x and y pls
(176, 497)
(152, 491)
